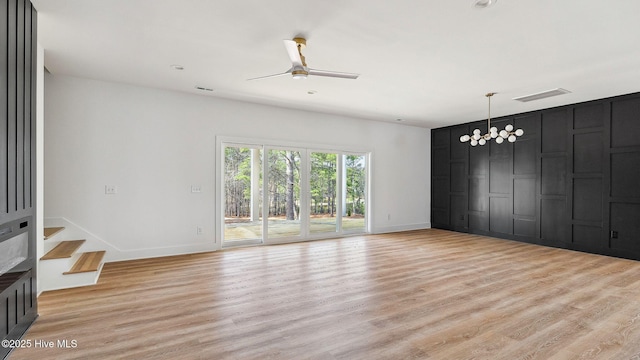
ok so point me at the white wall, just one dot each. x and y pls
(154, 144)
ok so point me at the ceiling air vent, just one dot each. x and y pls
(202, 88)
(542, 95)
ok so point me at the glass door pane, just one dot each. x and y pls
(323, 193)
(242, 195)
(283, 189)
(354, 196)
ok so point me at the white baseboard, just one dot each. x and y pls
(113, 253)
(398, 228)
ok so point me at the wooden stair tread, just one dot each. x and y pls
(89, 261)
(50, 231)
(65, 249)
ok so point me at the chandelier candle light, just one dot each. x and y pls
(507, 133)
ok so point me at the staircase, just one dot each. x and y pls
(64, 266)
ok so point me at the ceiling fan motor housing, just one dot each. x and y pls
(302, 42)
(299, 73)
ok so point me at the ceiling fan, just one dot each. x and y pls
(299, 69)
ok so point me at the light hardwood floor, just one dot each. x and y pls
(428, 294)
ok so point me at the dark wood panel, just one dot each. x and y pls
(589, 237)
(529, 124)
(33, 294)
(17, 306)
(440, 137)
(625, 174)
(500, 176)
(11, 105)
(440, 162)
(21, 309)
(4, 317)
(440, 193)
(18, 299)
(625, 222)
(458, 177)
(524, 227)
(524, 197)
(587, 153)
(500, 150)
(577, 159)
(440, 184)
(478, 194)
(458, 215)
(479, 160)
(553, 223)
(12, 318)
(554, 130)
(4, 49)
(500, 218)
(459, 150)
(588, 116)
(440, 217)
(28, 84)
(34, 96)
(20, 95)
(479, 221)
(553, 176)
(525, 155)
(587, 199)
(625, 116)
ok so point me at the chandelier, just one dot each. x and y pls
(492, 133)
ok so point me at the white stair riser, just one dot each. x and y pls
(72, 280)
(52, 277)
(53, 265)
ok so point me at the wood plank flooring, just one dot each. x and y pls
(428, 294)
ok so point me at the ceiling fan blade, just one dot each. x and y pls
(288, 72)
(334, 74)
(294, 54)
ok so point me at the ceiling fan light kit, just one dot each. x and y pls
(508, 133)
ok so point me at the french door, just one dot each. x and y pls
(277, 194)
(242, 180)
(283, 190)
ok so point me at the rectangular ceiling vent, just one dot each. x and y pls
(542, 95)
(202, 88)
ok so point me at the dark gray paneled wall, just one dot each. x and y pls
(18, 59)
(17, 108)
(572, 181)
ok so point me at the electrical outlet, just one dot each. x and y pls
(199, 230)
(388, 217)
(196, 188)
(110, 189)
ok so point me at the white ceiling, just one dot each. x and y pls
(424, 61)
